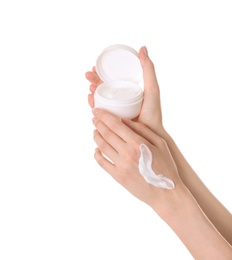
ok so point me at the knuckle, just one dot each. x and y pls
(135, 143)
(101, 143)
(96, 136)
(106, 133)
(99, 159)
(132, 155)
(116, 124)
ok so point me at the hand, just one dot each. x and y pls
(118, 154)
(150, 114)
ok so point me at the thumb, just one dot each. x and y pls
(149, 75)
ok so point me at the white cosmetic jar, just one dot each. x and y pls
(121, 94)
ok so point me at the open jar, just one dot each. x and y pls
(121, 94)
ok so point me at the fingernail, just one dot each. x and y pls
(145, 50)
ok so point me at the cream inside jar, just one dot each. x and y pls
(120, 93)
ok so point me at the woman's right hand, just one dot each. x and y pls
(151, 114)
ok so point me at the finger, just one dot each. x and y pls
(93, 87)
(149, 75)
(91, 100)
(105, 164)
(116, 126)
(92, 77)
(109, 136)
(145, 132)
(105, 147)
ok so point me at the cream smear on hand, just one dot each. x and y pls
(145, 169)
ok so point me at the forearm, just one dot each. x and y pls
(215, 211)
(188, 221)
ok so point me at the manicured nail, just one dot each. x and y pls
(145, 50)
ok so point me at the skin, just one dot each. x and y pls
(208, 215)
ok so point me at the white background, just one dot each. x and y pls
(55, 201)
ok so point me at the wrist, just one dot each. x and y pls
(185, 217)
(164, 134)
(172, 201)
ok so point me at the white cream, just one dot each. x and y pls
(118, 93)
(145, 168)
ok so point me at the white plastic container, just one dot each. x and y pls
(119, 68)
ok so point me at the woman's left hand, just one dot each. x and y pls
(118, 154)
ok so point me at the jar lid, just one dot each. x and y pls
(119, 62)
